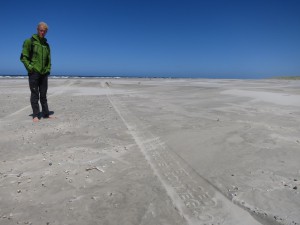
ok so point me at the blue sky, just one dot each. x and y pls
(213, 38)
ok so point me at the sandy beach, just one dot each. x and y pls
(151, 152)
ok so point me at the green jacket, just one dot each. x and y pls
(36, 55)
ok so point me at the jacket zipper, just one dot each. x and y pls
(42, 58)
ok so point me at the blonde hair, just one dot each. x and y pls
(43, 24)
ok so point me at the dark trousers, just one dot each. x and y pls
(38, 86)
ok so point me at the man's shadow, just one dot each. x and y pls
(41, 115)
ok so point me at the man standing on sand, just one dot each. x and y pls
(37, 61)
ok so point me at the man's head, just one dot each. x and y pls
(42, 29)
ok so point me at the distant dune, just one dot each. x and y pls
(287, 77)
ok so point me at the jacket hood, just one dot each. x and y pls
(36, 37)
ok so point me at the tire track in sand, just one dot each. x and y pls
(194, 198)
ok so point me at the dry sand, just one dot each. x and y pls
(151, 152)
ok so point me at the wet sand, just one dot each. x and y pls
(151, 152)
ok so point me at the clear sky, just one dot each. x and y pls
(212, 38)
